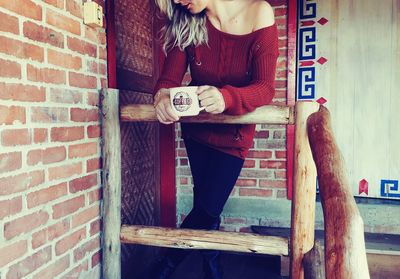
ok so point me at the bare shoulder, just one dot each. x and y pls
(264, 14)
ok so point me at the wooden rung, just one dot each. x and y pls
(262, 115)
(202, 239)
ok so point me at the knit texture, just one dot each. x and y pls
(242, 67)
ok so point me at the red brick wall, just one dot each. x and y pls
(51, 67)
(264, 173)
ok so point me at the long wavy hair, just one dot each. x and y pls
(182, 28)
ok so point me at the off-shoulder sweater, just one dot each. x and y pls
(242, 67)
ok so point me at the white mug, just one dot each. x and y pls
(185, 101)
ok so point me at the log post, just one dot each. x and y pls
(345, 255)
(304, 192)
(111, 153)
(313, 262)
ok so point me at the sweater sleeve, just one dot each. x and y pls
(261, 90)
(175, 66)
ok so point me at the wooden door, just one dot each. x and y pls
(349, 57)
(136, 62)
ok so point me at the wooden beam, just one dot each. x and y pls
(111, 153)
(201, 239)
(262, 115)
(111, 45)
(304, 192)
(345, 255)
(291, 89)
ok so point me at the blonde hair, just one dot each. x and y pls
(182, 28)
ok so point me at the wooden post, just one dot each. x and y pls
(111, 152)
(304, 191)
(345, 255)
(313, 262)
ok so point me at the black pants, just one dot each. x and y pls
(214, 176)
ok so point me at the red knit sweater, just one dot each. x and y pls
(242, 67)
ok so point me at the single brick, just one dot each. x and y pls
(12, 115)
(29, 264)
(68, 207)
(25, 224)
(25, 8)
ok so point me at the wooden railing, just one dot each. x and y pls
(262, 115)
(345, 252)
(201, 239)
(345, 255)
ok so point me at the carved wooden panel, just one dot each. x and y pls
(136, 58)
(137, 68)
(134, 37)
(140, 195)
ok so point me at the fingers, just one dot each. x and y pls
(206, 93)
(170, 113)
(203, 88)
(211, 98)
(159, 95)
(213, 109)
(162, 116)
(165, 116)
(163, 119)
(206, 102)
(206, 98)
(162, 105)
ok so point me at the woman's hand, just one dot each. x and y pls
(162, 104)
(211, 98)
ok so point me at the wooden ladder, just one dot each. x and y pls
(344, 251)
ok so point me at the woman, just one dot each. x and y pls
(231, 47)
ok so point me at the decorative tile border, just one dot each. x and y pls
(307, 50)
(390, 189)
